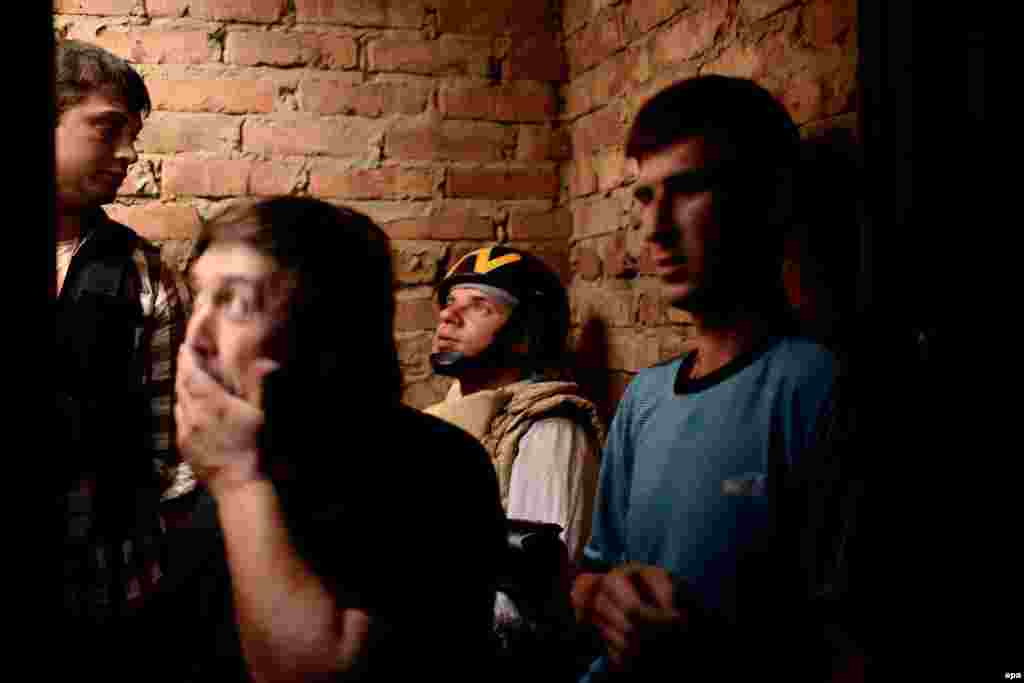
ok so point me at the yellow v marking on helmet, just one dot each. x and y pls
(484, 263)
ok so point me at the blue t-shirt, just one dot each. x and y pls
(684, 477)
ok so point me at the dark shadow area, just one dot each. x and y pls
(590, 367)
(823, 246)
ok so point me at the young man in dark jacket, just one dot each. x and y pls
(120, 315)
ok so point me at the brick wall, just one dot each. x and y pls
(438, 118)
(452, 123)
(618, 55)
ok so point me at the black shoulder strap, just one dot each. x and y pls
(99, 312)
(103, 263)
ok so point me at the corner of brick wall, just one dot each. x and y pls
(438, 118)
(453, 123)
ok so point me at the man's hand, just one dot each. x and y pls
(631, 607)
(218, 432)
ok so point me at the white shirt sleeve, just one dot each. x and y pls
(554, 479)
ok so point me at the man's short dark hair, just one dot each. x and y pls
(340, 320)
(736, 113)
(83, 69)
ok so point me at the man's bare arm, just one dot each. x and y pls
(290, 624)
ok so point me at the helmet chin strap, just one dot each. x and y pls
(456, 363)
(499, 354)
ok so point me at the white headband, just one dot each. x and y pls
(501, 295)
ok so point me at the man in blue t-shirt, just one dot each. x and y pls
(693, 551)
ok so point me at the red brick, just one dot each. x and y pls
(603, 128)
(641, 17)
(492, 17)
(578, 96)
(556, 225)
(415, 314)
(616, 75)
(273, 178)
(253, 11)
(383, 13)
(168, 133)
(656, 81)
(226, 96)
(754, 10)
(596, 42)
(451, 225)
(157, 221)
(542, 143)
(617, 260)
(416, 262)
(743, 61)
(226, 178)
(633, 350)
(383, 211)
(554, 254)
(599, 85)
(583, 179)
(611, 168)
(448, 54)
(426, 392)
(448, 140)
(152, 46)
(804, 99)
(371, 183)
(826, 22)
(502, 184)
(108, 8)
(813, 94)
(413, 352)
(692, 34)
(840, 86)
(597, 217)
(502, 103)
(257, 48)
(586, 263)
(575, 13)
(141, 180)
(537, 58)
(348, 137)
(347, 94)
(612, 305)
(206, 177)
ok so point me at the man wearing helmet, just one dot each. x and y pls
(503, 321)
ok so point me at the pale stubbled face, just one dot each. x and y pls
(95, 145)
(678, 217)
(469, 320)
(240, 308)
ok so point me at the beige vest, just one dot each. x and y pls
(498, 418)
